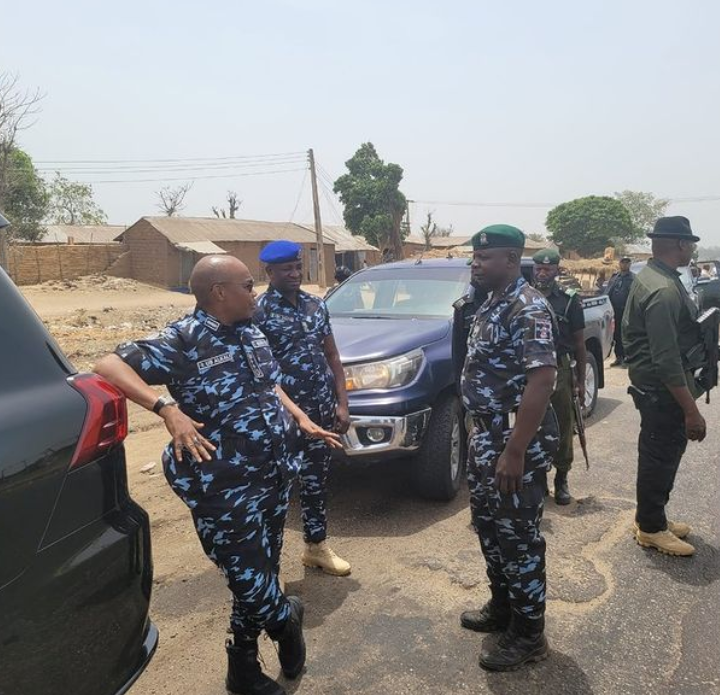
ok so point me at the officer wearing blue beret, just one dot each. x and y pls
(229, 460)
(297, 325)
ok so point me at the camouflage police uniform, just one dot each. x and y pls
(225, 377)
(296, 334)
(512, 335)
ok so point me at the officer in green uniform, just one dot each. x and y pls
(570, 348)
(659, 329)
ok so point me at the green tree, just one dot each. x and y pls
(588, 225)
(536, 236)
(644, 209)
(372, 201)
(25, 199)
(72, 203)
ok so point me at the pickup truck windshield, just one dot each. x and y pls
(413, 292)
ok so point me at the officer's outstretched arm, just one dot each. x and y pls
(308, 427)
(536, 397)
(182, 429)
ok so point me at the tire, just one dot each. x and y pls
(439, 466)
(592, 379)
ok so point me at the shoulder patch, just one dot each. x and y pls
(543, 329)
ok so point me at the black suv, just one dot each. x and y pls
(75, 565)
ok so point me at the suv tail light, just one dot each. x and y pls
(106, 421)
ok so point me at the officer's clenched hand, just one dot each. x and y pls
(580, 391)
(509, 472)
(185, 435)
(695, 426)
(342, 419)
(313, 431)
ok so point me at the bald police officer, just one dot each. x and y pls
(572, 358)
(507, 382)
(297, 325)
(229, 459)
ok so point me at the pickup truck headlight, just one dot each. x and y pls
(386, 374)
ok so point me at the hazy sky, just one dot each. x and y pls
(486, 102)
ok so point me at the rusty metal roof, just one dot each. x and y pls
(187, 229)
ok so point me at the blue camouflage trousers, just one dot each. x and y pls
(508, 525)
(240, 520)
(313, 489)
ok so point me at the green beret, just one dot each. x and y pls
(498, 236)
(547, 257)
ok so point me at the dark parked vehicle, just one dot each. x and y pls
(392, 325)
(75, 565)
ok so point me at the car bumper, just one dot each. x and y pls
(380, 435)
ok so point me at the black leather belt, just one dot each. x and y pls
(485, 422)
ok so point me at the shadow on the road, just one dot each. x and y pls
(604, 407)
(559, 673)
(702, 569)
(321, 594)
(378, 501)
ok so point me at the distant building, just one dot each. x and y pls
(80, 234)
(164, 250)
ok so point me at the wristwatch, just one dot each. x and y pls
(161, 402)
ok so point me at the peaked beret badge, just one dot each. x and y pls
(546, 259)
(483, 239)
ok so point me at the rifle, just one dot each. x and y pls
(702, 359)
(579, 418)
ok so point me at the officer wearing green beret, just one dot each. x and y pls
(570, 348)
(506, 385)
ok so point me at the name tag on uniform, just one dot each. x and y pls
(260, 343)
(211, 362)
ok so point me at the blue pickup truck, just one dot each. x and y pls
(392, 325)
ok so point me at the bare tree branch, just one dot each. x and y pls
(170, 200)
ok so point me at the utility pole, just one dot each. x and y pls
(319, 243)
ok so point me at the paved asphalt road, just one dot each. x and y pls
(620, 619)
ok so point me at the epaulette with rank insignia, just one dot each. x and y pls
(463, 301)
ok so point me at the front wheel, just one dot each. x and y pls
(592, 379)
(439, 466)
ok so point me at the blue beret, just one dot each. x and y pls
(281, 251)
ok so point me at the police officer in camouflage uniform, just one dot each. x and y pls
(507, 382)
(570, 350)
(464, 310)
(229, 460)
(297, 325)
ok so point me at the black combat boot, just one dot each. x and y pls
(522, 643)
(494, 616)
(244, 676)
(291, 643)
(562, 490)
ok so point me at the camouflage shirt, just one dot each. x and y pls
(297, 335)
(224, 377)
(512, 334)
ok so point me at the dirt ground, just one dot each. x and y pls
(392, 626)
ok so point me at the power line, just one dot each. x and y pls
(328, 199)
(299, 198)
(160, 170)
(165, 161)
(229, 175)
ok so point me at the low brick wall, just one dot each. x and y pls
(30, 264)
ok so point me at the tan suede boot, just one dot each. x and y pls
(323, 556)
(679, 529)
(664, 541)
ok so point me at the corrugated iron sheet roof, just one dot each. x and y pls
(207, 248)
(85, 234)
(184, 229)
(343, 239)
